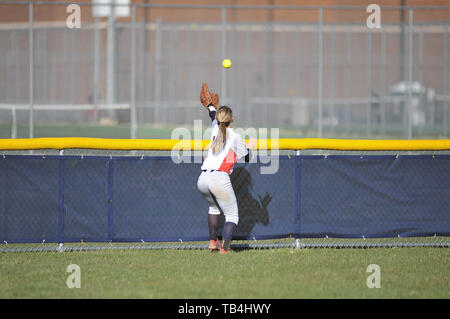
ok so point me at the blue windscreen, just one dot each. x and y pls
(99, 198)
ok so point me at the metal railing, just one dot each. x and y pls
(322, 77)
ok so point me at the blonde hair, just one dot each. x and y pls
(224, 117)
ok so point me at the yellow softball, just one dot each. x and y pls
(226, 63)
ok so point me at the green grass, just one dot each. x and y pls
(276, 273)
(86, 131)
(123, 131)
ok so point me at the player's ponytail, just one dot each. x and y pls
(224, 118)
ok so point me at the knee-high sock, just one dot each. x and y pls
(228, 231)
(213, 223)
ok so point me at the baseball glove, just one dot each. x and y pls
(215, 100)
(207, 98)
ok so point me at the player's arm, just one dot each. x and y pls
(243, 150)
(210, 101)
(213, 107)
(212, 114)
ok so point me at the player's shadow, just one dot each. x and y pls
(251, 210)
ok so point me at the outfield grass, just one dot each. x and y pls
(277, 273)
(165, 131)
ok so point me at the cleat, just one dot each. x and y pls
(213, 245)
(222, 248)
(223, 251)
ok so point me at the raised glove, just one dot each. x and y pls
(215, 100)
(205, 96)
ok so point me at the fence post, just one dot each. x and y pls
(331, 106)
(383, 81)
(14, 122)
(297, 68)
(66, 71)
(224, 53)
(445, 91)
(420, 79)
(369, 83)
(96, 67)
(16, 46)
(133, 75)
(320, 73)
(158, 57)
(111, 62)
(172, 72)
(249, 80)
(31, 68)
(73, 66)
(348, 54)
(410, 79)
(142, 68)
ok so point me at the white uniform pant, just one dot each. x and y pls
(218, 191)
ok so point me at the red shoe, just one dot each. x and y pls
(222, 250)
(213, 245)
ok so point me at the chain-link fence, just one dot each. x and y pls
(313, 71)
(91, 202)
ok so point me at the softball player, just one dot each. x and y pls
(214, 182)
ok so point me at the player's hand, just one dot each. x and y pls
(251, 143)
(205, 95)
(215, 100)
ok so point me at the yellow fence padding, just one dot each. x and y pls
(167, 144)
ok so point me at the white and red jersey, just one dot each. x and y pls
(225, 158)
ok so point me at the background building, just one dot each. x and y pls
(309, 69)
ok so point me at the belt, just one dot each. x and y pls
(212, 170)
